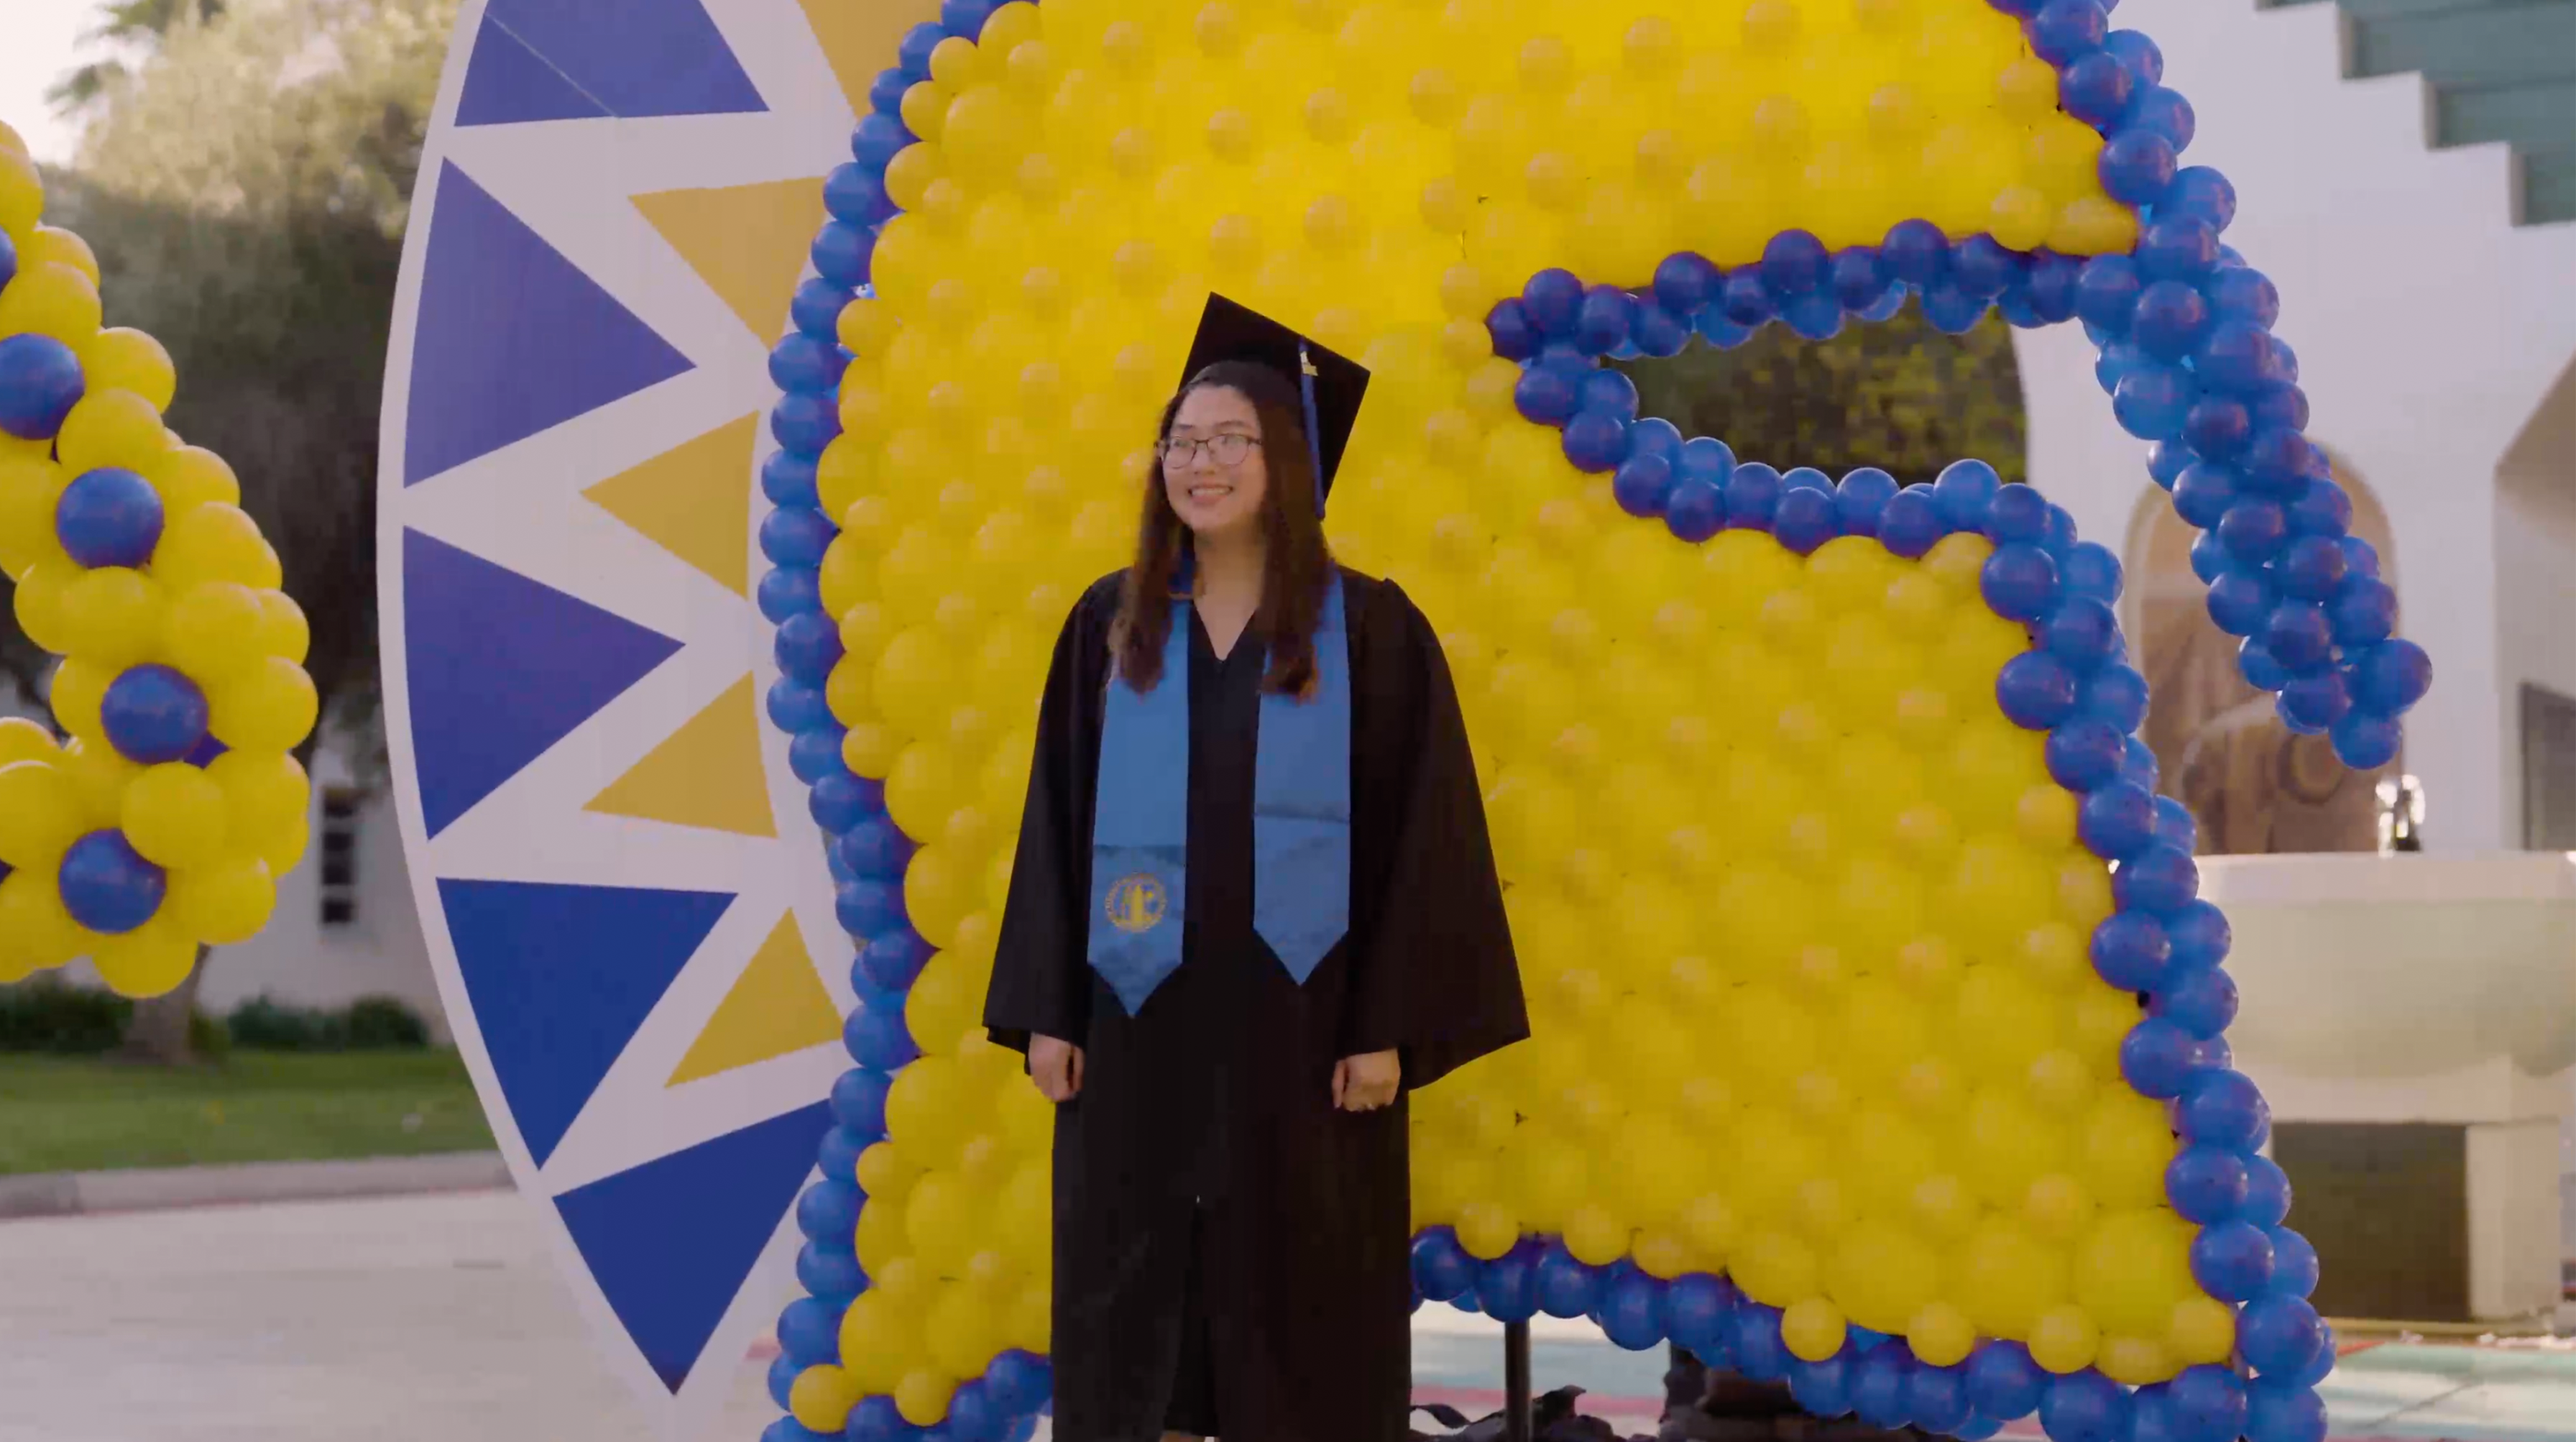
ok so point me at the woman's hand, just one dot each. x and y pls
(1056, 1066)
(1366, 1083)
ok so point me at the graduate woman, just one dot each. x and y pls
(1253, 905)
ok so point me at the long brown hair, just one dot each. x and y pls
(1298, 565)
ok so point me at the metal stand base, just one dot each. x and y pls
(1516, 1382)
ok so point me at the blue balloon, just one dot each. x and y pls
(2003, 1381)
(2253, 531)
(2117, 694)
(786, 591)
(154, 715)
(875, 1034)
(2205, 1185)
(109, 517)
(2279, 1334)
(2140, 770)
(2364, 609)
(842, 253)
(2205, 492)
(913, 53)
(1879, 1386)
(838, 1155)
(2159, 1059)
(1553, 299)
(2201, 1002)
(2313, 568)
(2299, 635)
(2249, 297)
(1806, 518)
(107, 886)
(796, 536)
(805, 424)
(2019, 582)
(1917, 253)
(2218, 427)
(876, 1420)
(1685, 282)
(2175, 827)
(2084, 754)
(1515, 336)
(1822, 1388)
(2240, 602)
(787, 479)
(974, 1415)
(783, 1371)
(2391, 676)
(1594, 442)
(1019, 1381)
(2153, 399)
(1793, 264)
(2200, 193)
(2106, 293)
(8, 260)
(1642, 485)
(1658, 332)
(2232, 1261)
(1719, 329)
(1911, 525)
(1858, 277)
(1696, 1307)
(1815, 316)
(2065, 29)
(1566, 1287)
(2206, 1402)
(2168, 323)
(2163, 112)
(1982, 269)
(1602, 320)
(1963, 491)
(1744, 298)
(40, 382)
(2017, 515)
(2095, 89)
(788, 1429)
(2316, 701)
(858, 1099)
(2240, 359)
(1632, 1315)
(2224, 1109)
(2178, 247)
(830, 1272)
(1753, 1338)
(1695, 510)
(878, 139)
(807, 647)
(1442, 1268)
(2090, 570)
(1753, 493)
(2130, 951)
(815, 755)
(829, 1209)
(1861, 500)
(2366, 740)
(2085, 1407)
(1546, 395)
(891, 960)
(1953, 311)
(1936, 1398)
(2137, 164)
(2200, 935)
(809, 1332)
(802, 362)
(886, 92)
(2159, 879)
(2035, 690)
(1706, 458)
(2294, 1263)
(2275, 1413)
(1507, 1286)
(2118, 821)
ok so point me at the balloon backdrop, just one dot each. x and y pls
(1878, 1025)
(165, 819)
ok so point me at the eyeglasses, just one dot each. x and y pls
(1228, 449)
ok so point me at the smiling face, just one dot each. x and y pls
(1214, 471)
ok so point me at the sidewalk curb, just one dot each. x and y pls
(68, 1194)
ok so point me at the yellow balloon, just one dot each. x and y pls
(1941, 1335)
(41, 814)
(922, 1396)
(268, 706)
(821, 1398)
(2202, 1330)
(38, 604)
(963, 1330)
(283, 630)
(264, 792)
(283, 849)
(225, 902)
(111, 428)
(24, 740)
(877, 1342)
(30, 488)
(11, 142)
(214, 542)
(78, 687)
(174, 816)
(148, 961)
(2064, 1339)
(113, 616)
(191, 476)
(22, 192)
(52, 245)
(1813, 1329)
(100, 776)
(124, 359)
(35, 931)
(50, 299)
(212, 631)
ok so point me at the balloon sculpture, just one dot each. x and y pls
(165, 819)
(1878, 1025)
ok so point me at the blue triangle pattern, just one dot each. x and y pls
(506, 83)
(672, 1241)
(511, 337)
(636, 57)
(560, 977)
(500, 669)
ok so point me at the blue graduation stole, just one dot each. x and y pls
(1301, 818)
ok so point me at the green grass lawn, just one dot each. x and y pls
(78, 1114)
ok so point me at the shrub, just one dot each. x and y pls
(374, 1023)
(46, 1016)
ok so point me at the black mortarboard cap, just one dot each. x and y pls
(1333, 384)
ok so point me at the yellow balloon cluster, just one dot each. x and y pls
(1803, 917)
(200, 608)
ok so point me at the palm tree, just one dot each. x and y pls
(126, 22)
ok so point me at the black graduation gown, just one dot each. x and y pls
(1203, 1168)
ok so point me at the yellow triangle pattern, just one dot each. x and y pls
(707, 774)
(777, 1007)
(694, 501)
(747, 242)
(860, 40)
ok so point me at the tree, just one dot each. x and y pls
(245, 187)
(1899, 395)
(130, 22)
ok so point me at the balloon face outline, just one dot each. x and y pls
(2034, 571)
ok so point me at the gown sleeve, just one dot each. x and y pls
(1041, 976)
(1435, 977)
